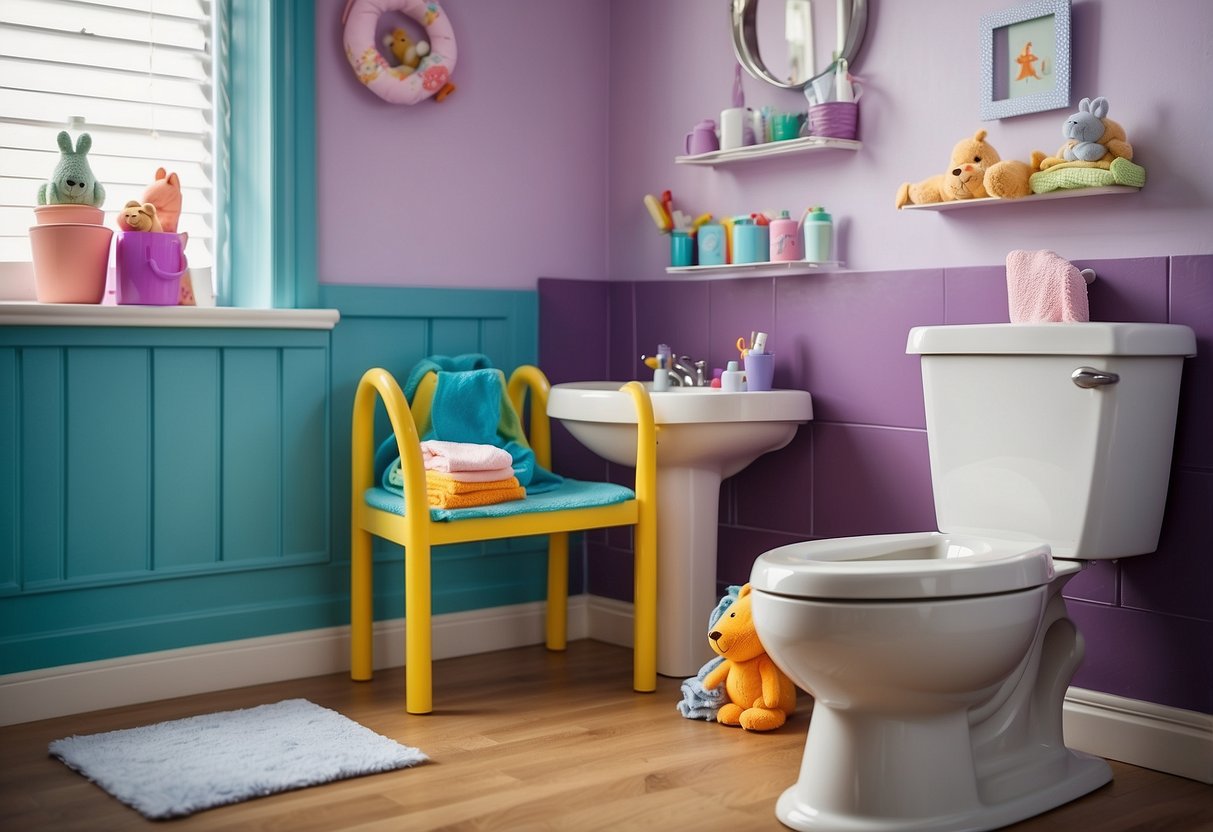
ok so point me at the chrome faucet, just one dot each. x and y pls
(686, 372)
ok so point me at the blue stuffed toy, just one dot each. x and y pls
(72, 182)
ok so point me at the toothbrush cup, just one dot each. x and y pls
(759, 370)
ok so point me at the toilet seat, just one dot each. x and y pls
(919, 565)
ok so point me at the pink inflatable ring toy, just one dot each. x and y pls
(396, 84)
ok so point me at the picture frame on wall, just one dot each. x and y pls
(1025, 59)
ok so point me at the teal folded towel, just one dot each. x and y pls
(699, 702)
(443, 363)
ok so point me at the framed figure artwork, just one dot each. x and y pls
(1025, 59)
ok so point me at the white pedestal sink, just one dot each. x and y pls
(703, 436)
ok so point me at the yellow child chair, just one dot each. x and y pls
(410, 522)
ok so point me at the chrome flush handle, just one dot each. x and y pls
(1087, 378)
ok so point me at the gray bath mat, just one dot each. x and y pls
(180, 767)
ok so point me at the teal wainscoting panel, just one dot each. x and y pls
(252, 454)
(164, 488)
(42, 484)
(185, 457)
(304, 452)
(394, 328)
(10, 504)
(108, 452)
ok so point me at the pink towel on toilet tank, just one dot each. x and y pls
(1042, 286)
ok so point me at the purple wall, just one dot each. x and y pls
(568, 111)
(501, 183)
(920, 64)
(861, 466)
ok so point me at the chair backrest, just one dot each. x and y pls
(525, 379)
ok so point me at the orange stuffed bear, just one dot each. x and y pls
(965, 178)
(761, 697)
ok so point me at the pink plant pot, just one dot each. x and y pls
(70, 261)
(83, 214)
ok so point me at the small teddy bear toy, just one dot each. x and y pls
(407, 53)
(971, 158)
(72, 182)
(137, 216)
(1092, 137)
(760, 696)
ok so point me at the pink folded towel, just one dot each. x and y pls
(1042, 286)
(439, 455)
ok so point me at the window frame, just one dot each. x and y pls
(272, 157)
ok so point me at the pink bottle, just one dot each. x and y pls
(786, 243)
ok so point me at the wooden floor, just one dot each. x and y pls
(522, 739)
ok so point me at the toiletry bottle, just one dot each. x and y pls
(751, 241)
(711, 245)
(661, 375)
(785, 239)
(732, 379)
(818, 236)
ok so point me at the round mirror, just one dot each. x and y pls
(779, 46)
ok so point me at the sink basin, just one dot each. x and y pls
(700, 426)
(703, 436)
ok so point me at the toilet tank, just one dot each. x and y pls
(1021, 448)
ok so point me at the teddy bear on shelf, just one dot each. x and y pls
(1010, 178)
(406, 52)
(72, 182)
(965, 178)
(760, 697)
(1092, 138)
(139, 216)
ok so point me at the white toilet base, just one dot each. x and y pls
(935, 792)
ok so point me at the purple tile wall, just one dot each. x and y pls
(861, 466)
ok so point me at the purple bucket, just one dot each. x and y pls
(149, 265)
(834, 119)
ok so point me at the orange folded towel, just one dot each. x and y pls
(448, 484)
(442, 499)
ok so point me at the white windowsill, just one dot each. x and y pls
(31, 313)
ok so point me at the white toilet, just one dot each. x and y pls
(938, 661)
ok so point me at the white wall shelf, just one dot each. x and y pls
(1063, 193)
(766, 150)
(764, 269)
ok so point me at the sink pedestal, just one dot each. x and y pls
(703, 436)
(686, 567)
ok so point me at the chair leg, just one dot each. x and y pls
(644, 633)
(418, 630)
(557, 613)
(361, 612)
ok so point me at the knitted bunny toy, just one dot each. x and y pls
(1093, 137)
(72, 181)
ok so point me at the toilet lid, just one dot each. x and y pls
(902, 566)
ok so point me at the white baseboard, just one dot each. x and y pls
(1140, 733)
(609, 620)
(148, 677)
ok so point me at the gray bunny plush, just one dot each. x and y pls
(1093, 137)
(72, 181)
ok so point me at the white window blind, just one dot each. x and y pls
(140, 73)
